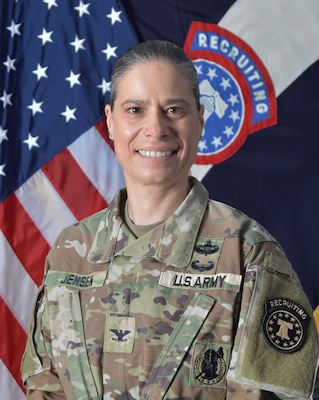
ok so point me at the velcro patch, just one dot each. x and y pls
(119, 334)
(182, 280)
(284, 324)
(79, 281)
(209, 364)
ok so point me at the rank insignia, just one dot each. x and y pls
(284, 324)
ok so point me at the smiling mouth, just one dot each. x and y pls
(155, 154)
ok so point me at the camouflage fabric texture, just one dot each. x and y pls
(204, 306)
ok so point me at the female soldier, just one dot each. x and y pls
(167, 294)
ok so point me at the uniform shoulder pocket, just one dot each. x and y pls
(278, 332)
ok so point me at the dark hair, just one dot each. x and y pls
(158, 50)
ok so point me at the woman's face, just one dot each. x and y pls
(155, 125)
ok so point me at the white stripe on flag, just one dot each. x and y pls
(283, 33)
(98, 162)
(15, 280)
(9, 388)
(44, 206)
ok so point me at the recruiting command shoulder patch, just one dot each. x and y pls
(284, 324)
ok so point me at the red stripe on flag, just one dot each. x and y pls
(12, 340)
(74, 187)
(24, 237)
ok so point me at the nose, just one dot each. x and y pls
(155, 124)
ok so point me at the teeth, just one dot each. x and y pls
(155, 153)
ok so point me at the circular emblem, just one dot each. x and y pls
(284, 324)
(235, 88)
(224, 105)
(210, 366)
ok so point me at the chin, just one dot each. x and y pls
(156, 180)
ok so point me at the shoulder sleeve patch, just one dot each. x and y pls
(285, 324)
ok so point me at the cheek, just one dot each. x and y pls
(194, 133)
(122, 130)
(122, 139)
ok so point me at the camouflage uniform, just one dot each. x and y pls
(203, 306)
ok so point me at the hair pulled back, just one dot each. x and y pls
(154, 50)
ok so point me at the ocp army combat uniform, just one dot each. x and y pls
(203, 306)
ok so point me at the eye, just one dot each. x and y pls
(171, 110)
(175, 111)
(134, 110)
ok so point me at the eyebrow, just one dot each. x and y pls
(166, 102)
(177, 100)
(134, 101)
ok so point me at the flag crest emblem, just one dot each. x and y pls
(235, 89)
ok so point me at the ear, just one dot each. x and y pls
(201, 119)
(109, 121)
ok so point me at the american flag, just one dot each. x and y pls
(56, 163)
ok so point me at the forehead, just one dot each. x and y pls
(157, 75)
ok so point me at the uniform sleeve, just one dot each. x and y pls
(37, 370)
(276, 344)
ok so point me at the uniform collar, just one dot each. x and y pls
(172, 242)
